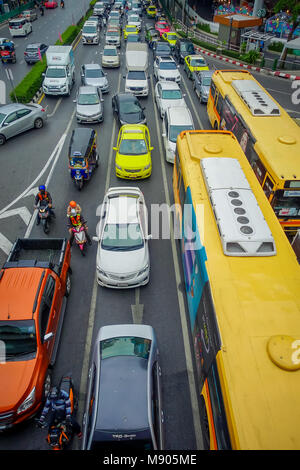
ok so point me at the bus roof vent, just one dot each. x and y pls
(257, 100)
(241, 224)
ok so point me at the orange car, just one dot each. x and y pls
(34, 284)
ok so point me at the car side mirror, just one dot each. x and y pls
(74, 101)
(4, 124)
(43, 74)
(96, 239)
(115, 148)
(164, 134)
(149, 237)
(151, 148)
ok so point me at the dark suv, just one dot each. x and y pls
(124, 402)
(183, 47)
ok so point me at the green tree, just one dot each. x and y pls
(293, 6)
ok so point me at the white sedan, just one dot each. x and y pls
(165, 68)
(168, 94)
(123, 254)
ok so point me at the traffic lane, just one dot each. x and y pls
(59, 19)
(36, 146)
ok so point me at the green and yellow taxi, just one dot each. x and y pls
(170, 37)
(151, 11)
(194, 63)
(130, 29)
(133, 152)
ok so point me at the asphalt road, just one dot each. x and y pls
(40, 156)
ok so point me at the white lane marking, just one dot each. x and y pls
(56, 152)
(23, 212)
(137, 309)
(182, 310)
(55, 108)
(5, 244)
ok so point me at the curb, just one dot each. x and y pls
(249, 67)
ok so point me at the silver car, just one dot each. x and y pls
(202, 80)
(123, 260)
(16, 118)
(30, 15)
(93, 75)
(168, 94)
(110, 57)
(89, 106)
(123, 408)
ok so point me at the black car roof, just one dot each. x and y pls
(123, 400)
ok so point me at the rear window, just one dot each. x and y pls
(16, 23)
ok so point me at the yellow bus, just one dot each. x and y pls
(242, 283)
(269, 137)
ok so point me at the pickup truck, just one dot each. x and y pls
(35, 282)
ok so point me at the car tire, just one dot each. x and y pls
(2, 139)
(38, 123)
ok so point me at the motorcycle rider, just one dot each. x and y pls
(58, 404)
(43, 195)
(73, 205)
(62, 4)
(76, 220)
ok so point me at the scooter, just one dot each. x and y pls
(45, 215)
(80, 238)
(60, 432)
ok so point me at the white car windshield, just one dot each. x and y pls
(171, 95)
(175, 131)
(122, 237)
(89, 30)
(167, 66)
(88, 98)
(55, 73)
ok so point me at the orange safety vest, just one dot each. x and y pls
(41, 197)
(75, 220)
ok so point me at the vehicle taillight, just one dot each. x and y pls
(25, 53)
(43, 110)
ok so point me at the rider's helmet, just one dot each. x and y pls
(42, 187)
(73, 204)
(53, 393)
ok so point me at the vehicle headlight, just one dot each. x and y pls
(119, 167)
(147, 167)
(28, 402)
(101, 272)
(144, 270)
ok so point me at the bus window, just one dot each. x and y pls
(268, 187)
(219, 104)
(213, 89)
(259, 170)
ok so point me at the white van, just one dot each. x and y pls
(175, 120)
(90, 33)
(19, 27)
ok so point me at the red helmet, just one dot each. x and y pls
(73, 204)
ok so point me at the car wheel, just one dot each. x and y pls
(38, 123)
(2, 139)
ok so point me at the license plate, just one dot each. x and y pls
(122, 285)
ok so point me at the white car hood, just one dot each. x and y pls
(54, 81)
(168, 73)
(122, 262)
(137, 83)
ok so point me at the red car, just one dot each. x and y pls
(51, 4)
(162, 27)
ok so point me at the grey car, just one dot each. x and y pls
(93, 75)
(89, 106)
(124, 399)
(17, 118)
(34, 52)
(202, 80)
(30, 15)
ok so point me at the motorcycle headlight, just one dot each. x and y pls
(28, 402)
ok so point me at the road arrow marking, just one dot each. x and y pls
(137, 309)
(23, 212)
(5, 244)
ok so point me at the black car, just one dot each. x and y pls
(161, 48)
(183, 47)
(34, 52)
(128, 109)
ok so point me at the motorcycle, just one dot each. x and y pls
(80, 237)
(44, 215)
(60, 433)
